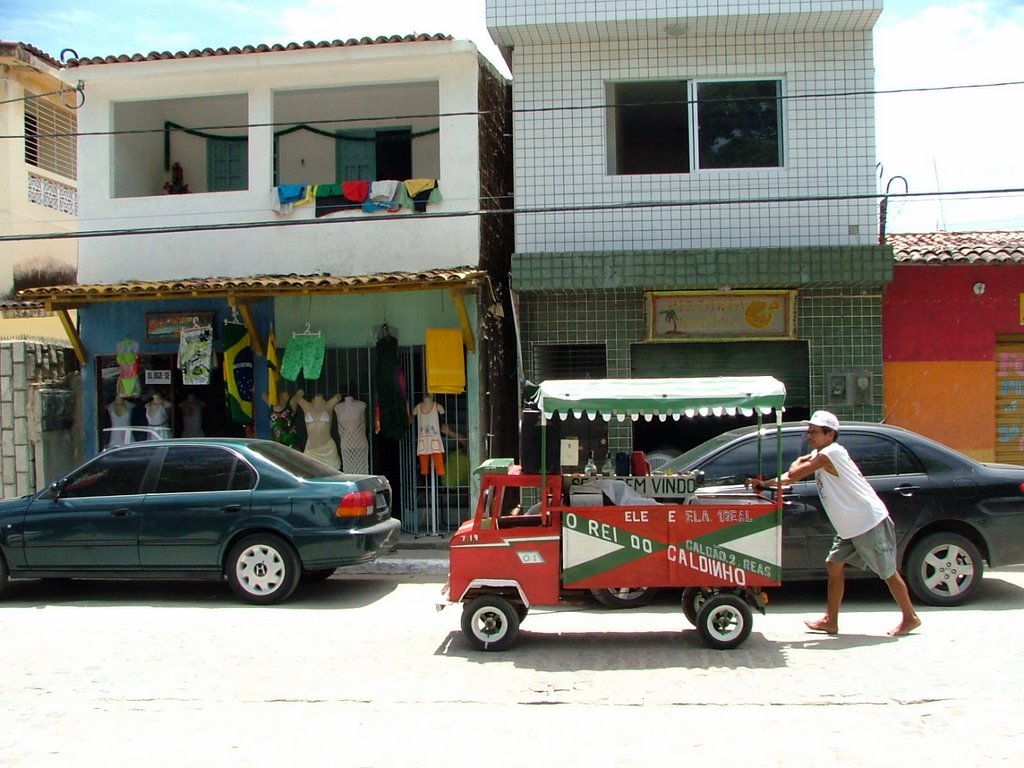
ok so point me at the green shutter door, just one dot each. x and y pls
(227, 165)
(356, 160)
(785, 360)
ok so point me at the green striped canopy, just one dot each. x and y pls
(660, 398)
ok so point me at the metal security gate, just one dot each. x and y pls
(425, 507)
(1010, 402)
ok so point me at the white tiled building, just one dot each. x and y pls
(700, 149)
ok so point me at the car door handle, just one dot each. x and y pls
(121, 512)
(907, 490)
(232, 509)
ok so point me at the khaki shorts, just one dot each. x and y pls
(873, 550)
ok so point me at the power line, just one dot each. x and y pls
(536, 210)
(535, 110)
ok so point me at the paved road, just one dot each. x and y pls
(362, 671)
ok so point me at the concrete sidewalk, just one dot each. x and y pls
(414, 554)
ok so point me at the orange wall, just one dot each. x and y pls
(949, 401)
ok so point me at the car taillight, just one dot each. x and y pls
(355, 504)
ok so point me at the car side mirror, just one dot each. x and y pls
(57, 487)
(698, 478)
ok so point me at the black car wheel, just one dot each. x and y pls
(263, 569)
(490, 623)
(625, 597)
(944, 569)
(724, 621)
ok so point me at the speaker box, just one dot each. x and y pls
(530, 439)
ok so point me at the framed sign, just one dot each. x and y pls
(720, 315)
(167, 326)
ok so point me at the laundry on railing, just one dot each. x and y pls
(387, 195)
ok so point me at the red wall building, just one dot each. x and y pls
(953, 340)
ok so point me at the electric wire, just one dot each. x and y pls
(531, 110)
(514, 211)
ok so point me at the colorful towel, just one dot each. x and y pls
(446, 363)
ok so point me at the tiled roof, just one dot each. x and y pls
(258, 286)
(958, 247)
(11, 49)
(263, 48)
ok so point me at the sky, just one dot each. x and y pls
(950, 141)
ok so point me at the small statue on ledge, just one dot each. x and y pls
(177, 185)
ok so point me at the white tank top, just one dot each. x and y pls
(850, 502)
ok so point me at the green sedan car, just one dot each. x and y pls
(254, 512)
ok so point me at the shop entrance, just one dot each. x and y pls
(192, 411)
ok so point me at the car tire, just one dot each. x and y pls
(263, 569)
(490, 623)
(725, 621)
(625, 597)
(944, 569)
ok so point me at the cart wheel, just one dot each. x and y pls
(724, 621)
(695, 597)
(490, 623)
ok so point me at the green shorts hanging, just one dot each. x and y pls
(305, 355)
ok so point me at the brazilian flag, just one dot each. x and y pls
(238, 373)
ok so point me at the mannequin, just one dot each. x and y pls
(429, 445)
(283, 428)
(120, 412)
(158, 416)
(319, 442)
(351, 414)
(191, 416)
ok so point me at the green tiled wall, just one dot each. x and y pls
(841, 323)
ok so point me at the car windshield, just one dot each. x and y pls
(293, 462)
(684, 460)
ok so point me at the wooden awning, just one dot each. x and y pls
(241, 291)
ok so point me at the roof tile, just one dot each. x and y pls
(957, 247)
(196, 53)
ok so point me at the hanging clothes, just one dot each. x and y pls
(446, 363)
(195, 354)
(392, 414)
(304, 354)
(238, 373)
(127, 367)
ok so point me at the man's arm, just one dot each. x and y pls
(801, 468)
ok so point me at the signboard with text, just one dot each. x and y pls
(722, 315)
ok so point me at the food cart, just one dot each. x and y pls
(545, 538)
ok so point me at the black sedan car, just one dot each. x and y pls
(952, 514)
(254, 512)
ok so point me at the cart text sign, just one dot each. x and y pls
(699, 315)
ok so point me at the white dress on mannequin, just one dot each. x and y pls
(355, 448)
(120, 412)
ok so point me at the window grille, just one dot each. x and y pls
(50, 136)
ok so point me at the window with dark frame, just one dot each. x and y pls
(675, 126)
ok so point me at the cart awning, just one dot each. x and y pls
(660, 398)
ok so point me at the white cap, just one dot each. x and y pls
(824, 419)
